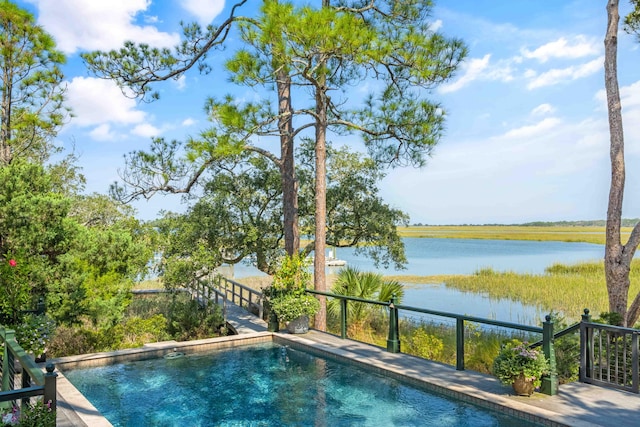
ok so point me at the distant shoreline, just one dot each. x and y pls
(557, 233)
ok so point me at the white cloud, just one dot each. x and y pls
(181, 82)
(146, 130)
(188, 122)
(530, 131)
(436, 25)
(579, 47)
(204, 11)
(98, 25)
(471, 71)
(630, 95)
(560, 75)
(97, 101)
(103, 133)
(481, 69)
(543, 109)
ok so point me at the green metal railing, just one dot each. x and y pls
(33, 381)
(609, 355)
(549, 382)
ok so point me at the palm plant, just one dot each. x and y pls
(365, 285)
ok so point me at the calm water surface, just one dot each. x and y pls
(465, 256)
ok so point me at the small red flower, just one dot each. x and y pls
(12, 262)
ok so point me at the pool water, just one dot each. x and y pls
(266, 385)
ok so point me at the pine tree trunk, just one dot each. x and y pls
(319, 277)
(287, 167)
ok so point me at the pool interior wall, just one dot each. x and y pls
(415, 371)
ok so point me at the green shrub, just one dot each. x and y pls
(138, 331)
(187, 320)
(425, 345)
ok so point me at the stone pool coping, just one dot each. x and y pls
(473, 387)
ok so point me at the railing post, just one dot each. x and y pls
(635, 386)
(550, 381)
(585, 348)
(343, 318)
(7, 361)
(459, 344)
(50, 379)
(393, 342)
(7, 370)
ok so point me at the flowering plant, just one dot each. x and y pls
(34, 333)
(515, 359)
(10, 417)
(38, 414)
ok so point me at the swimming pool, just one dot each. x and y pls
(266, 385)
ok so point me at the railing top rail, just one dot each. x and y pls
(245, 287)
(612, 328)
(348, 297)
(26, 360)
(510, 325)
(482, 320)
(560, 334)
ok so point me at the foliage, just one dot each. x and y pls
(35, 230)
(15, 292)
(148, 319)
(515, 359)
(356, 214)
(293, 305)
(422, 344)
(287, 50)
(31, 86)
(35, 333)
(138, 331)
(365, 285)
(39, 414)
(292, 274)
(286, 296)
(187, 320)
(632, 21)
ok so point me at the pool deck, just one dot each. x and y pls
(577, 404)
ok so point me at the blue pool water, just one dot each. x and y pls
(266, 385)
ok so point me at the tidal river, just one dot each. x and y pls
(428, 257)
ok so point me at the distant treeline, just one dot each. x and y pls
(626, 222)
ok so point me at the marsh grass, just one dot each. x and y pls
(512, 232)
(568, 289)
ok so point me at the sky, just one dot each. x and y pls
(526, 135)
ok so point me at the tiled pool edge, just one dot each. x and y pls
(408, 368)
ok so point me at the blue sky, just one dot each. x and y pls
(526, 136)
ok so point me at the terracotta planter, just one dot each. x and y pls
(299, 325)
(523, 386)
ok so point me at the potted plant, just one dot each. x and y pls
(520, 366)
(295, 308)
(286, 297)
